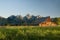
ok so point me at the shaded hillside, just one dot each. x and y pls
(26, 20)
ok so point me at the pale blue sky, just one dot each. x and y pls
(34, 7)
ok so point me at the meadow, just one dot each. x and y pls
(29, 33)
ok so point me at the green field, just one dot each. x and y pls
(29, 33)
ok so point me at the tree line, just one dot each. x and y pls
(26, 20)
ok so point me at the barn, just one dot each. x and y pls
(44, 21)
(47, 22)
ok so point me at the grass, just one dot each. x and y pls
(29, 33)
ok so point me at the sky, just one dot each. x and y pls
(33, 7)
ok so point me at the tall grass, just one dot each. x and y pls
(29, 33)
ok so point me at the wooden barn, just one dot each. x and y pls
(47, 22)
(44, 21)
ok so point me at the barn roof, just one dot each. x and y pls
(42, 19)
